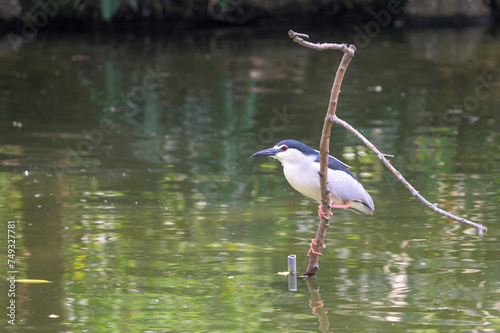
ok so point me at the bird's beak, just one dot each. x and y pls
(266, 152)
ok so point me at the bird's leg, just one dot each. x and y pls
(321, 213)
(313, 242)
(343, 206)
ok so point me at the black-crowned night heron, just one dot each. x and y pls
(301, 166)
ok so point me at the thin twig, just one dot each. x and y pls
(480, 228)
(298, 38)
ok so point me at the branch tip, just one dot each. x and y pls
(292, 34)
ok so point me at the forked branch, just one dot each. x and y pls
(325, 144)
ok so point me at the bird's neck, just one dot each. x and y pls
(299, 164)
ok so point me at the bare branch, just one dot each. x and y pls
(325, 144)
(325, 140)
(480, 228)
(298, 38)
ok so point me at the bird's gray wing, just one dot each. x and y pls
(344, 187)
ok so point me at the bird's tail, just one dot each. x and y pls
(359, 207)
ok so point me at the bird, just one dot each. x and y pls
(301, 168)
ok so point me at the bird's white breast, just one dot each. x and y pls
(303, 175)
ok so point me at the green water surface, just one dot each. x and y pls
(124, 160)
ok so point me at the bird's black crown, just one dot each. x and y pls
(299, 146)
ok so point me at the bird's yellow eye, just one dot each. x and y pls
(284, 148)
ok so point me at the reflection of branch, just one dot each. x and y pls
(317, 305)
(480, 228)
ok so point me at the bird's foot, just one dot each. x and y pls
(321, 213)
(343, 206)
(311, 249)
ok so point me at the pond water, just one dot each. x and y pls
(126, 176)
